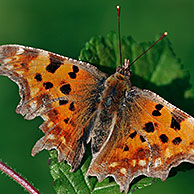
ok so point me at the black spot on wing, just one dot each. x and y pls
(47, 85)
(65, 89)
(38, 77)
(175, 124)
(156, 113)
(159, 106)
(126, 148)
(72, 75)
(132, 135)
(149, 127)
(164, 138)
(142, 139)
(63, 102)
(52, 67)
(66, 120)
(55, 63)
(176, 141)
(72, 106)
(75, 69)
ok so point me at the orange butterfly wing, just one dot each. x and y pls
(63, 91)
(149, 137)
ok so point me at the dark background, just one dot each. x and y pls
(63, 26)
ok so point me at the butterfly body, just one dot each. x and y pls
(132, 131)
(111, 100)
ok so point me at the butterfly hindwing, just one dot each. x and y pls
(63, 91)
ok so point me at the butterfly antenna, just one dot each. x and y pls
(119, 31)
(163, 35)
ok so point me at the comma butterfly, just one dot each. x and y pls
(132, 131)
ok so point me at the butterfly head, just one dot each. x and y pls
(124, 69)
(120, 80)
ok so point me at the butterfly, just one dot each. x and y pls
(132, 131)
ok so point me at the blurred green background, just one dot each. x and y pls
(63, 26)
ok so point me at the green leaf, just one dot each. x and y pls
(67, 182)
(158, 70)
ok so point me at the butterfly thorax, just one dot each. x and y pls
(115, 88)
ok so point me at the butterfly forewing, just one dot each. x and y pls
(63, 91)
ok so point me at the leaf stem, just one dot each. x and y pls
(20, 180)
